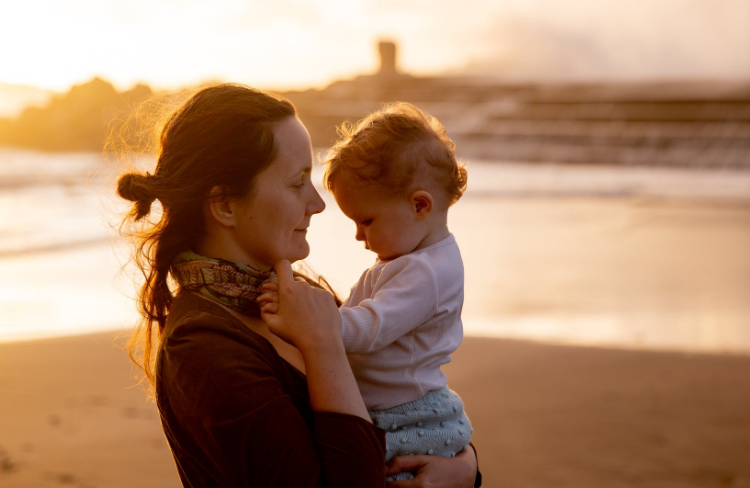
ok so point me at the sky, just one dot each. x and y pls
(284, 44)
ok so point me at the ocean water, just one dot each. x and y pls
(626, 257)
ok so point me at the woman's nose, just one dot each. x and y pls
(317, 204)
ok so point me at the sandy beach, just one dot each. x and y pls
(545, 416)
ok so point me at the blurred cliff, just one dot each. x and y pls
(15, 98)
(695, 124)
(79, 120)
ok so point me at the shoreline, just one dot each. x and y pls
(544, 415)
(123, 335)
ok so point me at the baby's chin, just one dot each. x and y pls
(388, 257)
(390, 254)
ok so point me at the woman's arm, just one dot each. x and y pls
(437, 472)
(300, 300)
(309, 319)
(235, 413)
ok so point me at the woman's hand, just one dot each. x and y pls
(436, 471)
(309, 319)
(300, 314)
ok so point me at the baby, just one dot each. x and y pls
(395, 175)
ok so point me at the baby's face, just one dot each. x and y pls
(387, 224)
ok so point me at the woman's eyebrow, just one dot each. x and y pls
(301, 172)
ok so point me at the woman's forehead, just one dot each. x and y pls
(294, 151)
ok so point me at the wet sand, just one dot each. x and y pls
(545, 415)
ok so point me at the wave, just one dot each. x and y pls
(52, 247)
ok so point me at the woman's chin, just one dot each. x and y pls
(300, 251)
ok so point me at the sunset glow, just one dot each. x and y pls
(295, 44)
(561, 188)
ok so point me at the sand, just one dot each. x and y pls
(71, 414)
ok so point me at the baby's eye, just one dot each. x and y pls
(366, 221)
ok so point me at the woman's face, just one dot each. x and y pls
(272, 220)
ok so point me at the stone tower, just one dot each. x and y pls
(387, 51)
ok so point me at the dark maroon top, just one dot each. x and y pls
(236, 414)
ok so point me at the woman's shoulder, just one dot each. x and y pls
(197, 326)
(188, 306)
(202, 342)
(212, 370)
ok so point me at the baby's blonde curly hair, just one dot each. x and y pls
(391, 147)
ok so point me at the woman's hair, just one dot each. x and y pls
(394, 146)
(221, 137)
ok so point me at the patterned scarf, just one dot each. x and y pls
(232, 284)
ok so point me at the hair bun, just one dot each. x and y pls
(138, 188)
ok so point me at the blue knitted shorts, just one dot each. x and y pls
(434, 424)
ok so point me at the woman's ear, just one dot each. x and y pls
(220, 207)
(421, 202)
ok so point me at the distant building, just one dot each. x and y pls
(387, 51)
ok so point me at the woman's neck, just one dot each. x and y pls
(228, 250)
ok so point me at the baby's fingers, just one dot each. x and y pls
(271, 286)
(271, 319)
(268, 297)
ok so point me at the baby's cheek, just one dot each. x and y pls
(392, 243)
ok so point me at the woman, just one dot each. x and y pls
(244, 403)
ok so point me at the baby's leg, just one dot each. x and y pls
(435, 425)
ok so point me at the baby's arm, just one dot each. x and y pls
(404, 297)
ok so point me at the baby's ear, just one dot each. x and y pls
(421, 202)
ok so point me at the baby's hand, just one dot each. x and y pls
(300, 314)
(269, 300)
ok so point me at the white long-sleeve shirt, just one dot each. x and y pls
(402, 321)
